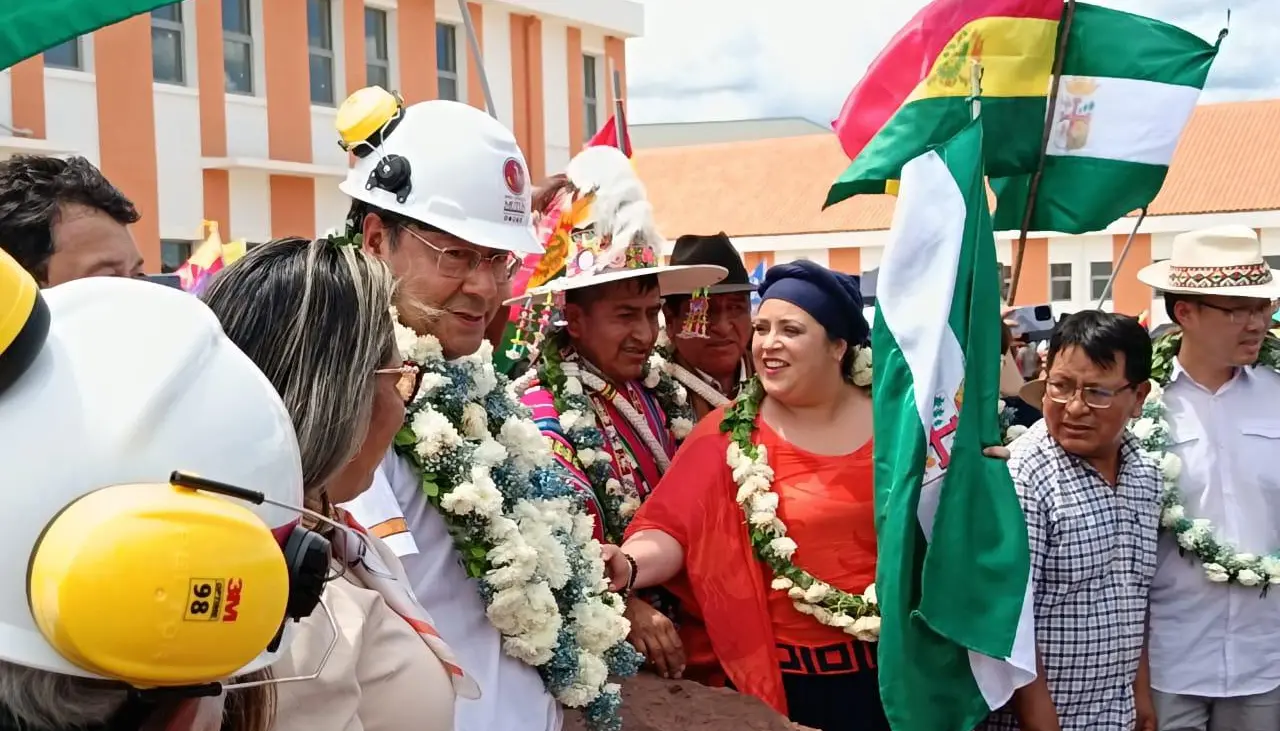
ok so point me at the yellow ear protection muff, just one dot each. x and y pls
(171, 586)
(364, 121)
(24, 320)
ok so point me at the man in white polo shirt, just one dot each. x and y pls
(498, 548)
(1215, 630)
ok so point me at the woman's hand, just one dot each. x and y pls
(656, 638)
(617, 568)
(1001, 453)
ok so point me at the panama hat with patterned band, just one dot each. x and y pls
(1224, 260)
(600, 229)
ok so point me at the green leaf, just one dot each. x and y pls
(431, 489)
(405, 437)
(478, 552)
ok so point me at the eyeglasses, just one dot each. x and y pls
(410, 378)
(1095, 397)
(457, 262)
(1242, 315)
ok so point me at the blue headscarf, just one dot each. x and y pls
(834, 299)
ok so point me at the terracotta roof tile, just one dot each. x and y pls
(775, 187)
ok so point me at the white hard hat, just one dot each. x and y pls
(442, 163)
(134, 381)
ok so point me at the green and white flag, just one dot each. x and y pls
(29, 27)
(1129, 85)
(953, 575)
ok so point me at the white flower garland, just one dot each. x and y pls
(855, 614)
(1221, 562)
(519, 527)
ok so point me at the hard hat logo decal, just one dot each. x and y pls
(204, 600)
(230, 613)
(513, 174)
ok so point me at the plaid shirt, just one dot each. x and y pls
(1093, 553)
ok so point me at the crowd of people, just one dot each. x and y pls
(312, 499)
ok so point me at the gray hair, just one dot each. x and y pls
(42, 700)
(315, 318)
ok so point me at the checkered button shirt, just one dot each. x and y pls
(1093, 554)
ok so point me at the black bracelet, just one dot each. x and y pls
(631, 580)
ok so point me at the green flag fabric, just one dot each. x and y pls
(1128, 86)
(957, 635)
(29, 27)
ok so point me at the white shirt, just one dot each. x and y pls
(1211, 639)
(513, 697)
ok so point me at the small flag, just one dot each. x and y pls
(608, 137)
(756, 277)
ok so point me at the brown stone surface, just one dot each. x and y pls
(653, 704)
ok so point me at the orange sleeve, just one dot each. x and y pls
(694, 504)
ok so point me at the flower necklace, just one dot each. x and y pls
(1197, 536)
(591, 432)
(519, 526)
(857, 615)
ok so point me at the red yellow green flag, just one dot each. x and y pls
(914, 95)
(28, 27)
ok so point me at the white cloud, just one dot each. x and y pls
(736, 59)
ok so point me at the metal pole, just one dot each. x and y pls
(619, 113)
(975, 88)
(1124, 253)
(476, 58)
(1034, 190)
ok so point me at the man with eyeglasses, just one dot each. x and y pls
(440, 191)
(1215, 631)
(1092, 511)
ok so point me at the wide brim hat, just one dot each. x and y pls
(1032, 392)
(1224, 260)
(715, 250)
(672, 279)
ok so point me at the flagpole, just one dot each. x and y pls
(619, 114)
(1033, 192)
(975, 88)
(477, 60)
(1124, 253)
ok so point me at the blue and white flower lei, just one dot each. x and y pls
(519, 526)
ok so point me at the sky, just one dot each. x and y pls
(702, 60)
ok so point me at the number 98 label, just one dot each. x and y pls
(204, 600)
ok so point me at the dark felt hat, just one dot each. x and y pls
(716, 250)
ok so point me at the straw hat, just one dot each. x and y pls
(1224, 260)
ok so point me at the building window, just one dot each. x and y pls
(173, 254)
(590, 96)
(447, 61)
(1006, 276)
(1060, 282)
(320, 50)
(64, 55)
(1099, 275)
(237, 47)
(166, 45)
(1272, 261)
(377, 57)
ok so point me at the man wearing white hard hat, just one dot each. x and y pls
(1211, 421)
(610, 412)
(492, 535)
(135, 438)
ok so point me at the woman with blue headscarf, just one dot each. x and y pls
(764, 525)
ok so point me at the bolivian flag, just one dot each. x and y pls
(915, 95)
(28, 27)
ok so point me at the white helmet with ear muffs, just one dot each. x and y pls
(441, 163)
(109, 567)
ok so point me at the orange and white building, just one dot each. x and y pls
(768, 195)
(223, 109)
